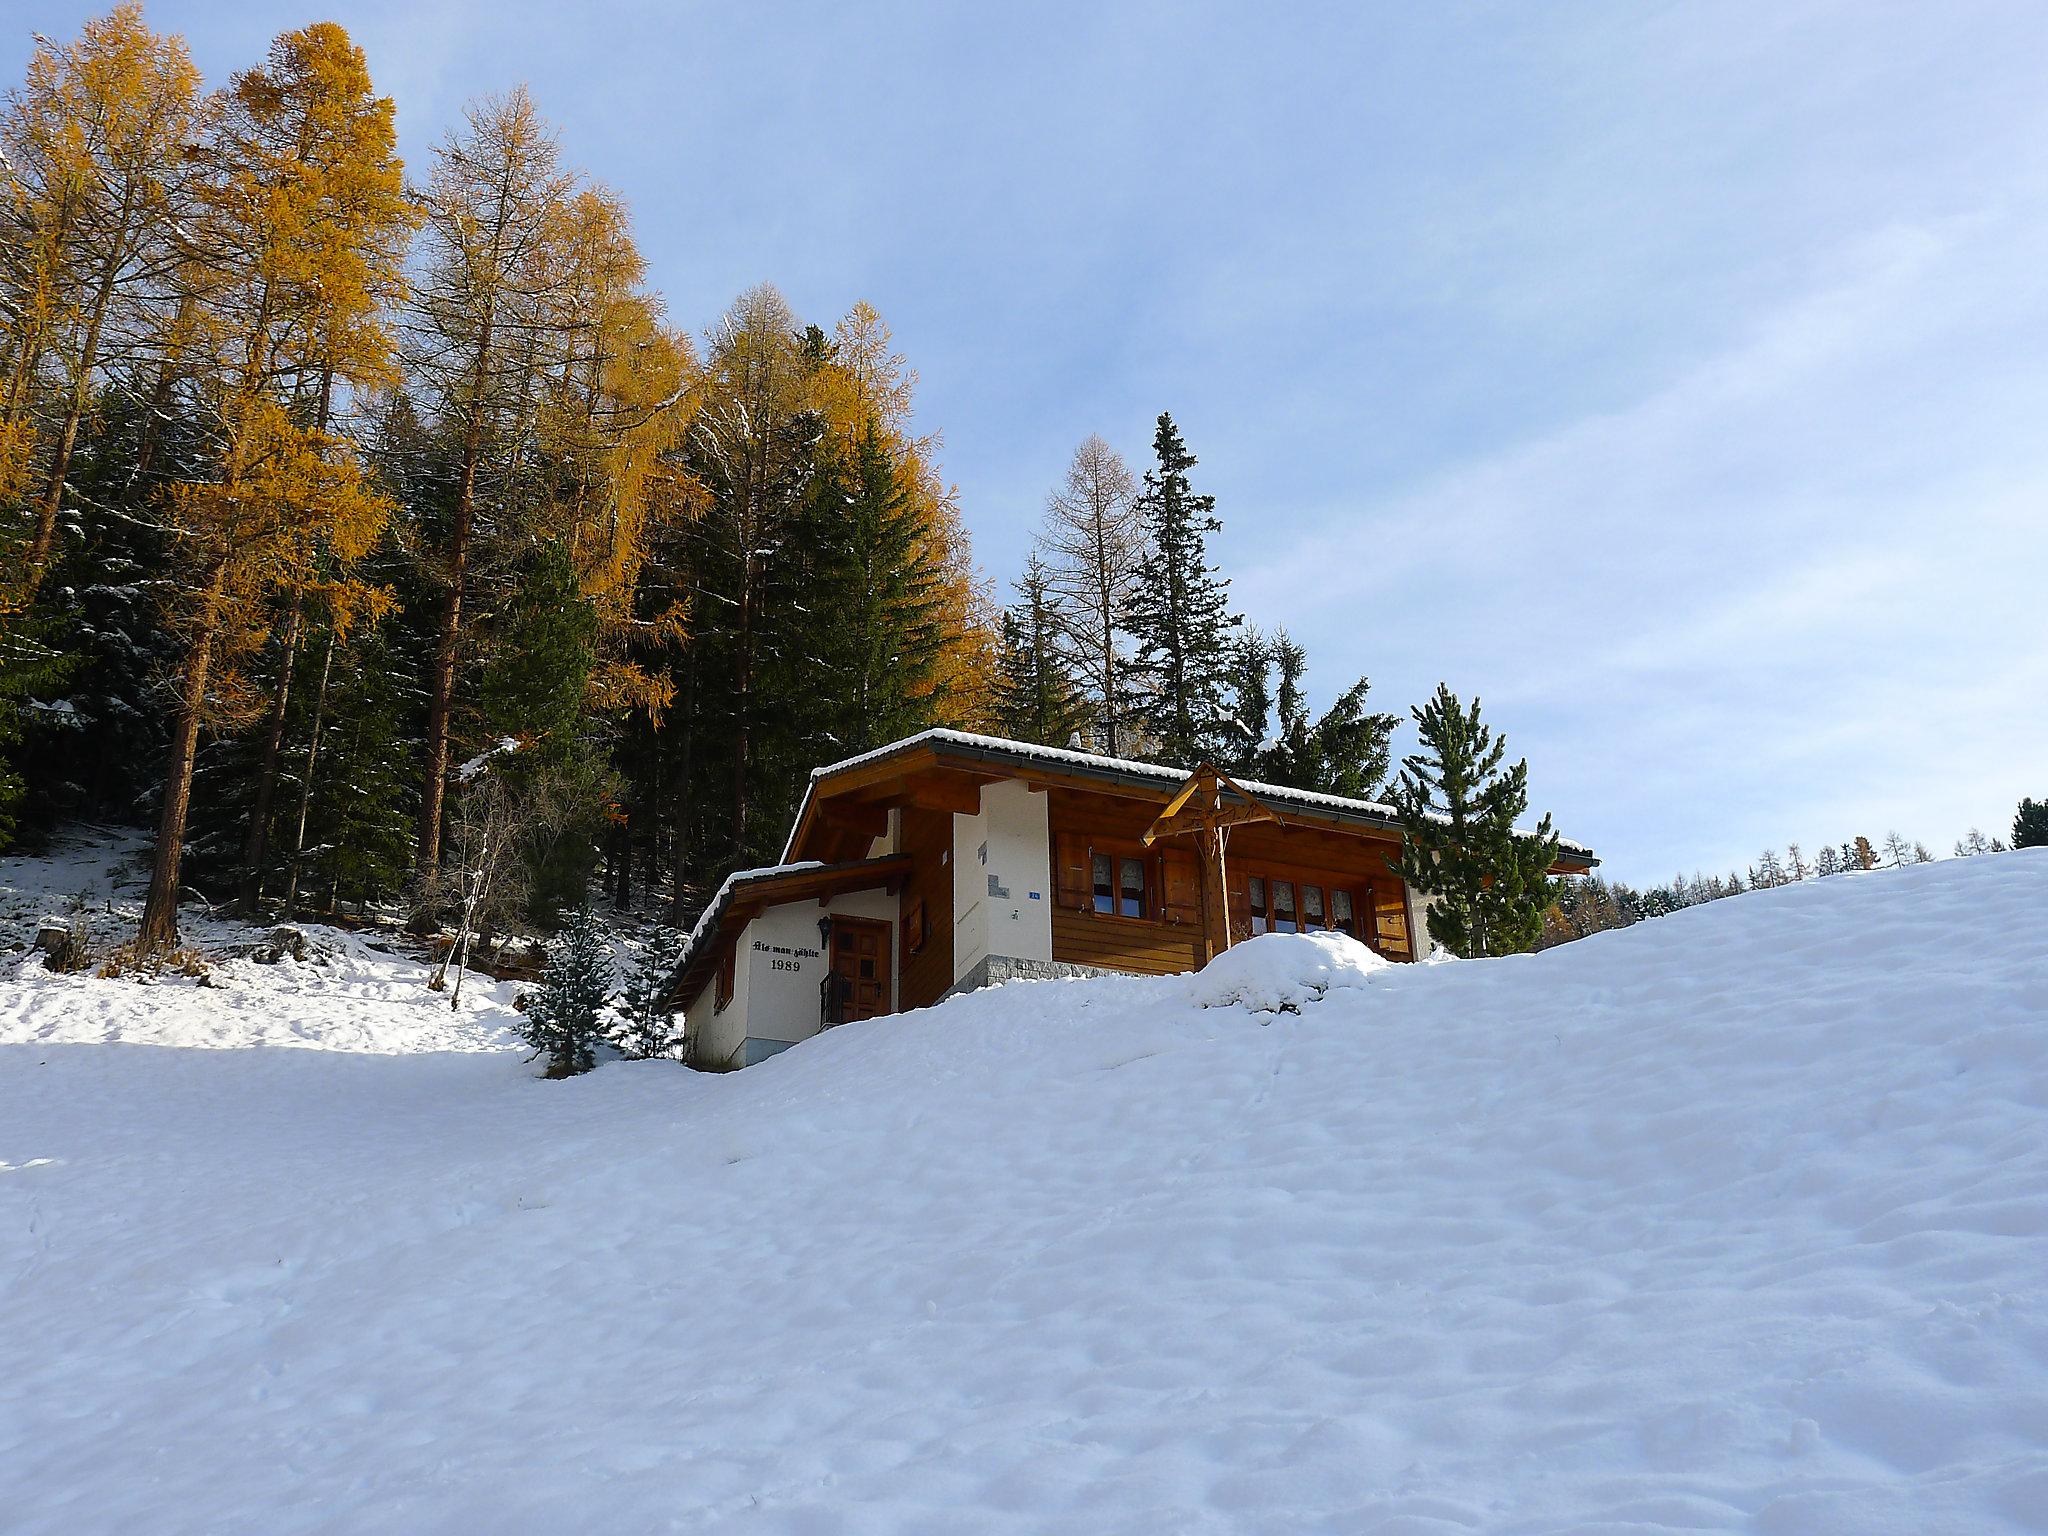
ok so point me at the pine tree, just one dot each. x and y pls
(1859, 854)
(1345, 752)
(1828, 862)
(1458, 809)
(564, 1018)
(1251, 687)
(1037, 699)
(1896, 849)
(2030, 825)
(1971, 845)
(1797, 867)
(1179, 618)
(643, 1028)
(876, 605)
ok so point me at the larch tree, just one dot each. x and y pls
(1458, 807)
(1179, 617)
(1093, 544)
(280, 223)
(93, 149)
(350, 256)
(483, 304)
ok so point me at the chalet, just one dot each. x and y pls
(949, 861)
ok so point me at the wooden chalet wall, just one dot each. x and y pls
(927, 974)
(1169, 939)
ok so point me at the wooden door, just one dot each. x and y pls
(860, 967)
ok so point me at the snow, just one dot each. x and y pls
(1736, 1221)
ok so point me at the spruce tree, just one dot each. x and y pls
(643, 1028)
(2030, 826)
(564, 1017)
(1178, 615)
(1036, 696)
(1458, 808)
(871, 628)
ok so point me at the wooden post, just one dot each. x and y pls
(1199, 808)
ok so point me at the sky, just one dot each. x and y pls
(1672, 377)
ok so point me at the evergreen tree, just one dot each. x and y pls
(1179, 618)
(1037, 699)
(1345, 752)
(1974, 843)
(876, 622)
(643, 1028)
(1458, 808)
(1896, 849)
(1828, 863)
(29, 663)
(2030, 825)
(1251, 685)
(564, 1017)
(532, 690)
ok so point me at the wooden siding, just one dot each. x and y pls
(1124, 943)
(1114, 823)
(928, 839)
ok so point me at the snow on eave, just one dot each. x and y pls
(1093, 762)
(707, 920)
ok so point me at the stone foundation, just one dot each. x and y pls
(1000, 968)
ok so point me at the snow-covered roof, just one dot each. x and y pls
(1126, 767)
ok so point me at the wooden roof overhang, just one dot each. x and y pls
(846, 806)
(740, 900)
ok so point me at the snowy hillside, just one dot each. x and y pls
(1733, 1221)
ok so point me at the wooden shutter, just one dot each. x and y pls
(1181, 887)
(1071, 872)
(1238, 904)
(1390, 917)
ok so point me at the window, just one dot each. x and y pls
(1119, 884)
(915, 930)
(1312, 908)
(1341, 917)
(1283, 906)
(1131, 889)
(1261, 920)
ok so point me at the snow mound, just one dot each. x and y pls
(1284, 972)
(1735, 1221)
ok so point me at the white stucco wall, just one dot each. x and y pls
(785, 962)
(1418, 923)
(1002, 878)
(777, 976)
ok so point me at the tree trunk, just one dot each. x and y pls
(291, 884)
(266, 780)
(441, 683)
(158, 933)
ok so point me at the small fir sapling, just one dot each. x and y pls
(643, 1027)
(564, 1018)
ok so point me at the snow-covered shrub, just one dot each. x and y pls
(564, 1018)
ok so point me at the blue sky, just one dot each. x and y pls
(1674, 377)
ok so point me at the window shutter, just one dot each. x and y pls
(1390, 917)
(1182, 887)
(1071, 873)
